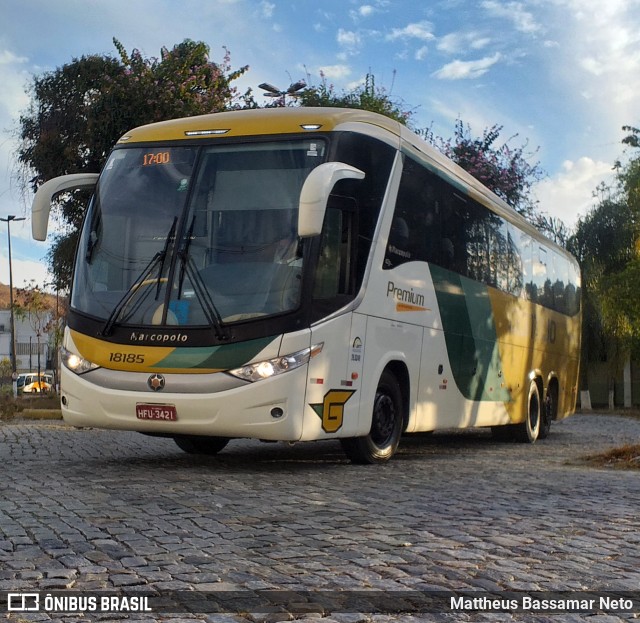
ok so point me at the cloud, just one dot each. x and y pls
(9, 58)
(569, 194)
(607, 49)
(459, 42)
(336, 72)
(467, 70)
(23, 271)
(418, 30)
(267, 8)
(13, 77)
(348, 39)
(364, 10)
(515, 12)
(422, 53)
(597, 62)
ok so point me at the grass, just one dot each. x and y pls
(624, 457)
(36, 406)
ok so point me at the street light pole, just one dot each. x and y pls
(292, 91)
(8, 220)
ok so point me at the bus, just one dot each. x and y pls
(298, 274)
(34, 383)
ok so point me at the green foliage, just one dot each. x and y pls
(606, 242)
(78, 111)
(633, 139)
(366, 97)
(621, 303)
(183, 82)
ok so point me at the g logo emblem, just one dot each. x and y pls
(331, 411)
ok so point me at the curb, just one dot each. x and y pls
(40, 414)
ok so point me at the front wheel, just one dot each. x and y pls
(386, 425)
(196, 444)
(529, 430)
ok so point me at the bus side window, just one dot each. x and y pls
(526, 252)
(454, 213)
(415, 229)
(572, 294)
(516, 277)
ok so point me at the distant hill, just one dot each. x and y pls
(5, 299)
(4, 296)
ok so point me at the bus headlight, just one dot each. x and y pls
(75, 363)
(272, 367)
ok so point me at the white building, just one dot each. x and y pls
(28, 345)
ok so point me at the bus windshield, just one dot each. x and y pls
(195, 235)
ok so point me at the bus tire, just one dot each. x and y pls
(196, 444)
(386, 425)
(529, 430)
(549, 411)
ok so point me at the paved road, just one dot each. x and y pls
(89, 510)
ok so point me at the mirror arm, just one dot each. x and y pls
(41, 205)
(315, 194)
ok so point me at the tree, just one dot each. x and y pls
(606, 242)
(34, 305)
(364, 97)
(503, 169)
(78, 111)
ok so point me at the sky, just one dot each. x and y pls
(560, 76)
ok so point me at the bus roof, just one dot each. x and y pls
(262, 121)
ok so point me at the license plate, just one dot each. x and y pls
(156, 412)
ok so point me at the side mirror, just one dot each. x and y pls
(41, 205)
(315, 194)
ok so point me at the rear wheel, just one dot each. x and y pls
(529, 430)
(386, 425)
(549, 411)
(196, 444)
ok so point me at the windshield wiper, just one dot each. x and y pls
(158, 258)
(167, 242)
(202, 294)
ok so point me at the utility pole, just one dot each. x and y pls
(14, 376)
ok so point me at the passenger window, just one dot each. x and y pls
(415, 230)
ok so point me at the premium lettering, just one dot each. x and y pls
(404, 296)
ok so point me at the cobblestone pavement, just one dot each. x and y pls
(88, 510)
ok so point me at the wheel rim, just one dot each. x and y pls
(384, 417)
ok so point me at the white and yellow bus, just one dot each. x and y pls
(302, 274)
(32, 383)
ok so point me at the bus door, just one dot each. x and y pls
(334, 377)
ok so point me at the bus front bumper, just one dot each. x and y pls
(271, 409)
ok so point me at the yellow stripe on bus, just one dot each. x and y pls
(119, 356)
